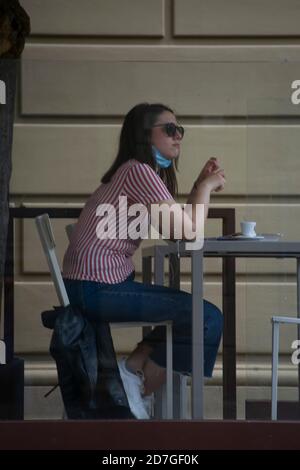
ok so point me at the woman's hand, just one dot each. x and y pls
(215, 181)
(210, 167)
(210, 175)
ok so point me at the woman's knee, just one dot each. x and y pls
(213, 320)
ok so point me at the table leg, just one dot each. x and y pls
(229, 339)
(180, 381)
(159, 407)
(174, 271)
(146, 269)
(197, 335)
(147, 279)
(159, 259)
(298, 315)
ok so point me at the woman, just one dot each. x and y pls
(99, 272)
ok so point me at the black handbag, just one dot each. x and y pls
(87, 368)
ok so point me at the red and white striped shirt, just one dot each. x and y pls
(110, 260)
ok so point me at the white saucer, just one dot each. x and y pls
(244, 237)
(241, 237)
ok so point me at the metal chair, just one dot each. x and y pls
(48, 243)
(2, 353)
(276, 321)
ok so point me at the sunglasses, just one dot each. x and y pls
(171, 129)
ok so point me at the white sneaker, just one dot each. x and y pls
(133, 385)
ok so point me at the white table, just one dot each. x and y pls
(212, 248)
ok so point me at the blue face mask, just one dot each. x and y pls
(160, 160)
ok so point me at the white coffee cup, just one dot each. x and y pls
(248, 228)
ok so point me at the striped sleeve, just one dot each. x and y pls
(144, 186)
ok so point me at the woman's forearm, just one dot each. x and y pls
(200, 194)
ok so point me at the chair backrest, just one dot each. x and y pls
(48, 243)
(2, 353)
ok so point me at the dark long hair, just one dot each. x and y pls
(135, 142)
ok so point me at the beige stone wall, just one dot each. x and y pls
(225, 67)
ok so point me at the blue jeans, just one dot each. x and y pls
(133, 301)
